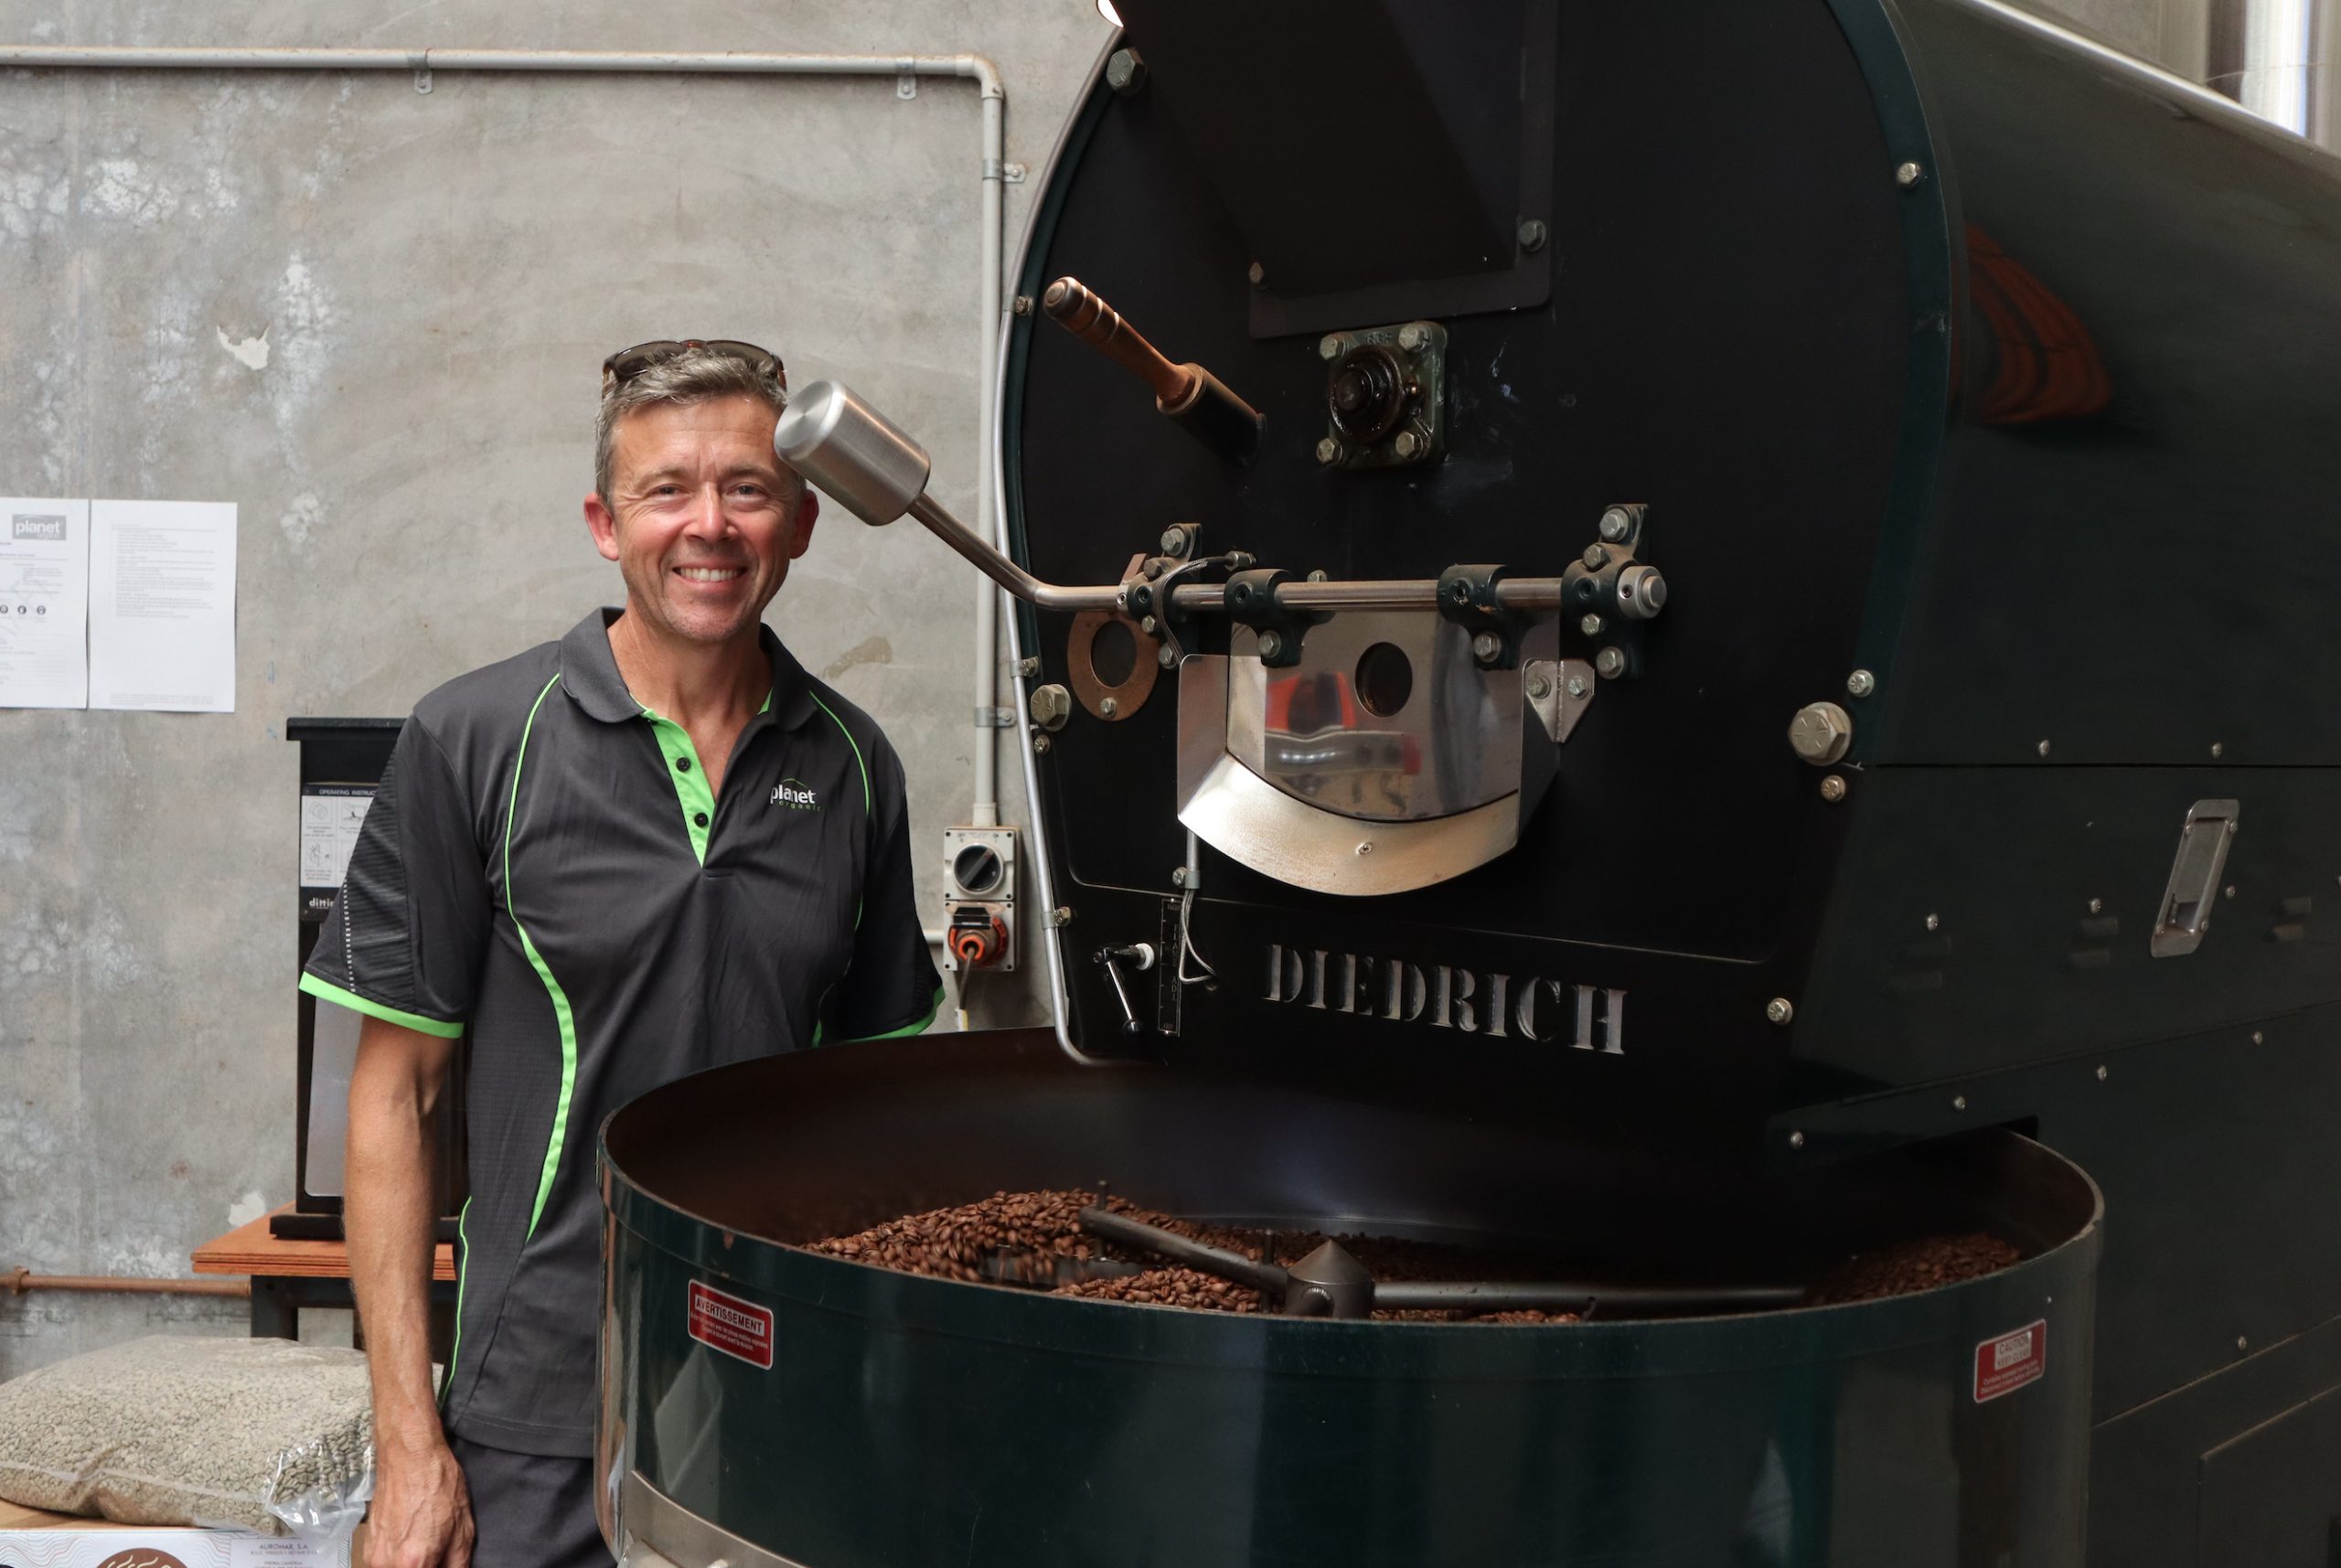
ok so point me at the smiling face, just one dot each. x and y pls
(701, 518)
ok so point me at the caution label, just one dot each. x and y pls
(2005, 1364)
(739, 1328)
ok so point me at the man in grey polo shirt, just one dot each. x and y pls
(653, 846)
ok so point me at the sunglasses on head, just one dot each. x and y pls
(627, 363)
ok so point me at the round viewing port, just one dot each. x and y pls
(1385, 680)
(1113, 654)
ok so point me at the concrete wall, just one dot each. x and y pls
(435, 280)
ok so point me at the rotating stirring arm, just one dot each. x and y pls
(1330, 1283)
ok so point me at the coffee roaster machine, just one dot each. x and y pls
(1705, 646)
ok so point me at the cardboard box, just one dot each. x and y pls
(31, 1539)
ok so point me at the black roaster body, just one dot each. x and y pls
(1974, 380)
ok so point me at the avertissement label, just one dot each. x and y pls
(739, 1328)
(2005, 1364)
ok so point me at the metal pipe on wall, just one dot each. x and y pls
(1052, 915)
(2269, 56)
(2272, 57)
(19, 1280)
(991, 94)
(985, 809)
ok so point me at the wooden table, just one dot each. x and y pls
(16, 1517)
(287, 1275)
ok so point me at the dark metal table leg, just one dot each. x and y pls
(276, 1315)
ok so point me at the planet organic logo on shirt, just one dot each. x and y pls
(795, 794)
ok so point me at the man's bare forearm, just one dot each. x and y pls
(389, 1215)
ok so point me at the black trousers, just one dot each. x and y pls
(530, 1511)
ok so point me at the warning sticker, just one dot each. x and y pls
(2005, 1364)
(738, 1328)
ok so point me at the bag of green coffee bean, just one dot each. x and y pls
(262, 1435)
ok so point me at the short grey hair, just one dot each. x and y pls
(694, 376)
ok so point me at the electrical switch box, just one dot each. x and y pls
(979, 899)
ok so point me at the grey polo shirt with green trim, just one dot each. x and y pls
(544, 873)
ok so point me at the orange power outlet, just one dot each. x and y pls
(977, 939)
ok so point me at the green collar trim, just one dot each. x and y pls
(688, 778)
(690, 775)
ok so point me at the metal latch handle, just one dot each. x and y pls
(2186, 915)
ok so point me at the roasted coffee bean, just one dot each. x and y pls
(1909, 1267)
(953, 1243)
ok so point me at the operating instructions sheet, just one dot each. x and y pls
(163, 605)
